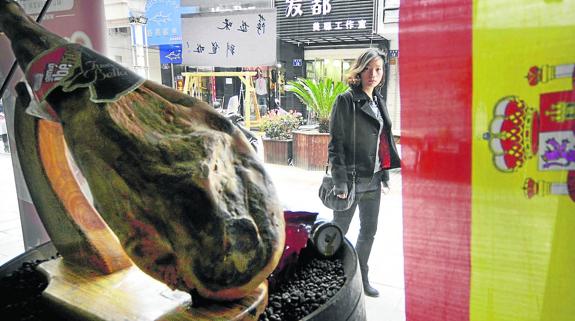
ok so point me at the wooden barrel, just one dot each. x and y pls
(348, 304)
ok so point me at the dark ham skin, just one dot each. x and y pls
(177, 183)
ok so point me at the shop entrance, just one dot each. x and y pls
(193, 87)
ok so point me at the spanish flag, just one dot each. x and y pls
(488, 152)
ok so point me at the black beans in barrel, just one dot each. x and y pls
(309, 288)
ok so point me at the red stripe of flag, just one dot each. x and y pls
(435, 59)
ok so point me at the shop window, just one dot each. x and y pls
(314, 69)
(335, 69)
(391, 16)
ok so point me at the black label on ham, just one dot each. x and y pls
(108, 80)
(71, 67)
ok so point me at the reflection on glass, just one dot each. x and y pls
(334, 69)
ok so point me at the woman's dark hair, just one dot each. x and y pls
(353, 75)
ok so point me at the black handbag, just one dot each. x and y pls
(326, 190)
(330, 200)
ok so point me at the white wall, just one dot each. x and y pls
(119, 47)
(393, 98)
(390, 30)
(123, 47)
(116, 10)
(321, 54)
(155, 69)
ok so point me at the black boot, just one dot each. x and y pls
(363, 249)
(367, 288)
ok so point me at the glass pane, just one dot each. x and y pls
(11, 241)
(332, 69)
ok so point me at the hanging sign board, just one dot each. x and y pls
(163, 22)
(230, 39)
(170, 54)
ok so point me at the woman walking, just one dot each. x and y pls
(368, 150)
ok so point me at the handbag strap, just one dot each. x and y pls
(353, 173)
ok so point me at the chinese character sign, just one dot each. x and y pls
(294, 8)
(164, 22)
(230, 39)
(306, 19)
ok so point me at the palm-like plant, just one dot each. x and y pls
(318, 96)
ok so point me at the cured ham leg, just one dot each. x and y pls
(176, 181)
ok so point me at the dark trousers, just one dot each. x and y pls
(368, 203)
(5, 142)
(262, 103)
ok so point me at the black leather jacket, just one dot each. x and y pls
(367, 131)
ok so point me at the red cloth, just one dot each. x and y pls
(384, 154)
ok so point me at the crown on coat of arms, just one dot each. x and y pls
(512, 134)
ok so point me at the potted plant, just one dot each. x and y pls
(278, 127)
(310, 148)
(318, 97)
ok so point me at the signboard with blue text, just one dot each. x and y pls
(164, 22)
(170, 54)
(231, 39)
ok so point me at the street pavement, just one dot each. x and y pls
(11, 243)
(297, 191)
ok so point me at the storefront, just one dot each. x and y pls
(319, 39)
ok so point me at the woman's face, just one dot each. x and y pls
(372, 75)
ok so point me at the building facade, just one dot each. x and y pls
(126, 38)
(315, 39)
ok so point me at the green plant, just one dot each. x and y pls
(278, 125)
(318, 96)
